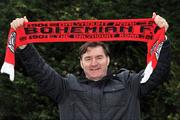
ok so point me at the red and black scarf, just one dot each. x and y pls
(141, 30)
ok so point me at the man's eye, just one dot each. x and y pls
(99, 57)
(87, 59)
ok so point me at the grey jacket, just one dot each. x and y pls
(115, 97)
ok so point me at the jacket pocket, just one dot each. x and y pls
(80, 113)
(115, 96)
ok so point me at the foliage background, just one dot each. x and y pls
(20, 99)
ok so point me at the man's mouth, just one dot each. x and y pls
(95, 69)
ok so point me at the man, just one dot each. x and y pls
(97, 95)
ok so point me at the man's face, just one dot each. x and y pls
(95, 63)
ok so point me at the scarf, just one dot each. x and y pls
(140, 30)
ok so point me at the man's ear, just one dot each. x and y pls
(108, 61)
(81, 64)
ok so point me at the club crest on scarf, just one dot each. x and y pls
(157, 53)
(11, 42)
(156, 50)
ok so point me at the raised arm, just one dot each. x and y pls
(49, 81)
(162, 69)
(159, 74)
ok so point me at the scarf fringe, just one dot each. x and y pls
(147, 72)
(8, 69)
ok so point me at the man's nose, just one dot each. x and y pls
(94, 62)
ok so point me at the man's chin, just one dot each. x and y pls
(96, 78)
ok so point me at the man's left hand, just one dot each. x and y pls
(160, 21)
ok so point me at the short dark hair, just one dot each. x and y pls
(85, 46)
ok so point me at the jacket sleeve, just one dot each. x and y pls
(49, 81)
(161, 71)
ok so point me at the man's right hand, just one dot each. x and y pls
(18, 22)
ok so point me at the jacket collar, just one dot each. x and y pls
(108, 77)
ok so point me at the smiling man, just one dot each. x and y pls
(94, 59)
(97, 95)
